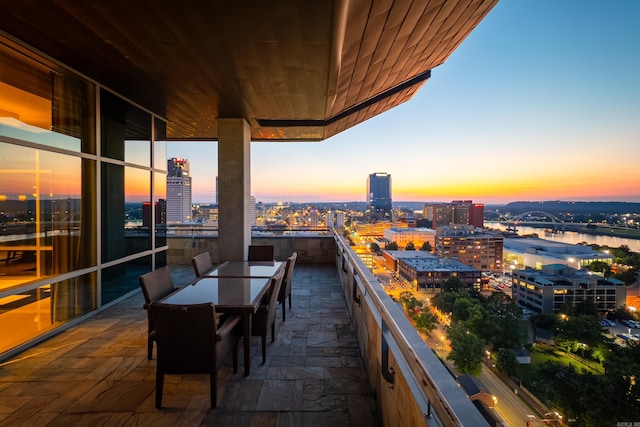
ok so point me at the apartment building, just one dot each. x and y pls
(548, 289)
(471, 246)
(417, 236)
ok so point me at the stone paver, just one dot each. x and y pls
(97, 372)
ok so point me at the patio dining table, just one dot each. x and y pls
(235, 287)
(246, 269)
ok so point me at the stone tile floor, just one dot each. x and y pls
(97, 373)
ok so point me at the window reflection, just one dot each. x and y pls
(160, 206)
(34, 312)
(125, 191)
(44, 106)
(123, 278)
(160, 145)
(46, 225)
(126, 131)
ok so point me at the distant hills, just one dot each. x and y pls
(552, 206)
(557, 206)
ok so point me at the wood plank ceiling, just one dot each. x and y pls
(294, 69)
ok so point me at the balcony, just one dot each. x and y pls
(346, 356)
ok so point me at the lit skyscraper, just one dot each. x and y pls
(178, 190)
(252, 208)
(379, 196)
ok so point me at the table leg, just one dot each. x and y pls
(246, 320)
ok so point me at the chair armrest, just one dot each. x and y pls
(227, 326)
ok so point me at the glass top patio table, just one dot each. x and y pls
(228, 294)
(246, 269)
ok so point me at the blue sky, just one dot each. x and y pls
(540, 102)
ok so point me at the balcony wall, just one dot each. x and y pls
(318, 249)
(412, 387)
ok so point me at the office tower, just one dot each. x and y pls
(177, 166)
(330, 219)
(379, 196)
(460, 211)
(252, 211)
(471, 246)
(339, 219)
(178, 191)
(439, 213)
(314, 218)
(463, 212)
(476, 215)
(216, 190)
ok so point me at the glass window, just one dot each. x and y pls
(44, 106)
(47, 214)
(34, 312)
(160, 145)
(160, 205)
(126, 131)
(125, 190)
(121, 279)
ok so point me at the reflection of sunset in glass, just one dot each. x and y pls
(159, 186)
(137, 185)
(24, 169)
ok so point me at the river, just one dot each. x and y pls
(572, 236)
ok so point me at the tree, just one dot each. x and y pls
(410, 247)
(600, 267)
(426, 246)
(393, 246)
(425, 320)
(467, 350)
(374, 247)
(580, 332)
(506, 361)
(444, 300)
(503, 325)
(543, 321)
(453, 283)
(627, 276)
(461, 308)
(409, 301)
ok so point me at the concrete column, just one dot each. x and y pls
(234, 189)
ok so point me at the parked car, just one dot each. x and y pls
(606, 322)
(631, 323)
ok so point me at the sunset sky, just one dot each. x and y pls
(540, 102)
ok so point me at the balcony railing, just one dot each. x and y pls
(412, 386)
(410, 382)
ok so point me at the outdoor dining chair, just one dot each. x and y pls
(285, 289)
(155, 285)
(264, 319)
(261, 253)
(189, 342)
(202, 264)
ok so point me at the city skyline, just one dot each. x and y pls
(540, 102)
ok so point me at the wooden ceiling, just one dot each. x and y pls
(294, 69)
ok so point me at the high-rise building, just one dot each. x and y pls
(471, 246)
(314, 219)
(339, 219)
(252, 208)
(329, 219)
(476, 215)
(379, 196)
(178, 191)
(462, 212)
